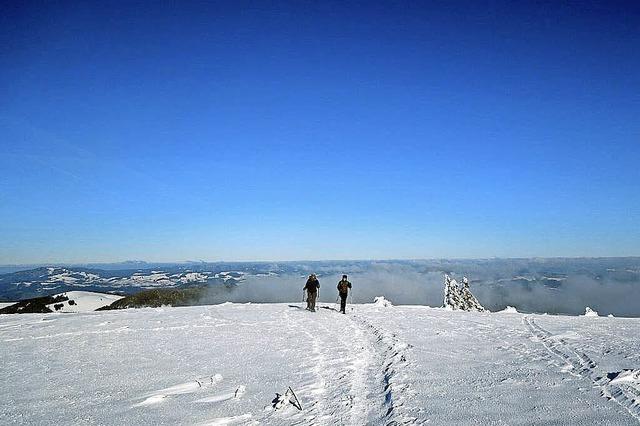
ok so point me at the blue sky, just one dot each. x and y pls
(318, 130)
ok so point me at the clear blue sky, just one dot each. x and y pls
(318, 130)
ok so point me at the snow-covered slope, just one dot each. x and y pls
(379, 364)
(83, 301)
(5, 304)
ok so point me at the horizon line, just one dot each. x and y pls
(177, 262)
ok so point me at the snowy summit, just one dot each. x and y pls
(280, 364)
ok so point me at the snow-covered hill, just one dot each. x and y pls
(83, 301)
(71, 301)
(379, 364)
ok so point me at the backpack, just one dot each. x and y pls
(343, 286)
(312, 286)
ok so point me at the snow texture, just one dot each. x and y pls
(458, 297)
(231, 364)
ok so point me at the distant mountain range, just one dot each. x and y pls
(24, 282)
(130, 277)
(52, 280)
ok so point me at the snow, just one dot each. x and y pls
(79, 278)
(229, 364)
(194, 277)
(152, 277)
(521, 278)
(459, 296)
(381, 301)
(231, 275)
(5, 304)
(83, 301)
(588, 312)
(509, 310)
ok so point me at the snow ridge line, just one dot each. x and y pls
(393, 354)
(622, 387)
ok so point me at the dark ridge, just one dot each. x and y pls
(159, 297)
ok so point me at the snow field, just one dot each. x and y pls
(379, 365)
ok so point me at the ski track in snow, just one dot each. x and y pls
(622, 387)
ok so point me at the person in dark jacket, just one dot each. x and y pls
(343, 291)
(312, 287)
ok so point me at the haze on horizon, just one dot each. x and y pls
(307, 131)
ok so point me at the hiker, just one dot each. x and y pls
(343, 290)
(312, 287)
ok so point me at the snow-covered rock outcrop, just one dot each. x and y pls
(381, 301)
(588, 312)
(458, 297)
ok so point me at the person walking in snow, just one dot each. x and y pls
(312, 287)
(343, 291)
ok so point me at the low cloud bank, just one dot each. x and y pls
(570, 297)
(398, 283)
(556, 286)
